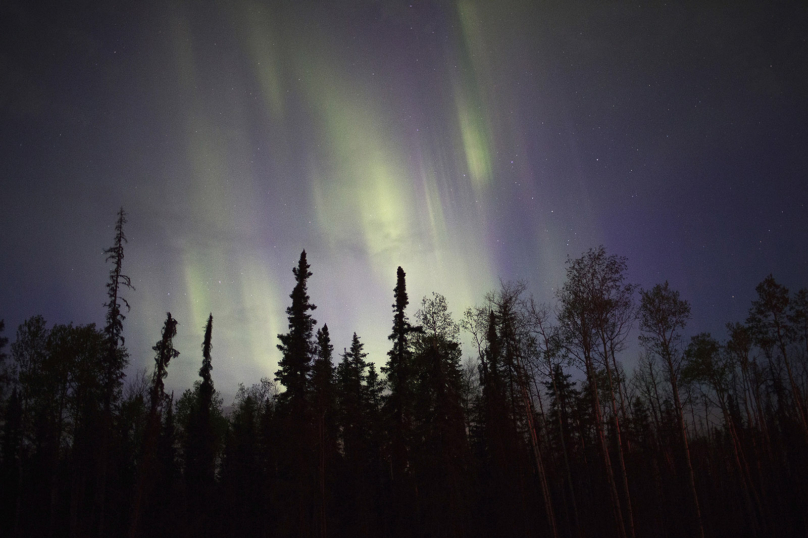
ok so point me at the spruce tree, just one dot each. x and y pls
(242, 480)
(296, 476)
(200, 439)
(163, 504)
(502, 452)
(398, 410)
(325, 410)
(115, 359)
(441, 453)
(297, 345)
(164, 352)
(351, 378)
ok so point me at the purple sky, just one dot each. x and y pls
(465, 141)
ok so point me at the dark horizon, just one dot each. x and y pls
(703, 438)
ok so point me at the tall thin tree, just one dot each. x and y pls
(164, 352)
(115, 359)
(200, 439)
(398, 406)
(324, 403)
(769, 320)
(663, 315)
(297, 457)
(582, 316)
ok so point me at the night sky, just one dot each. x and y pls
(466, 141)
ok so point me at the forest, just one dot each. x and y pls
(536, 430)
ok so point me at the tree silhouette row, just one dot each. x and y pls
(539, 431)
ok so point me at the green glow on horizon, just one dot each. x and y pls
(262, 307)
(379, 195)
(220, 277)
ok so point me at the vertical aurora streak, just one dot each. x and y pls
(465, 140)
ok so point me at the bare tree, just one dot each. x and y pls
(591, 312)
(662, 316)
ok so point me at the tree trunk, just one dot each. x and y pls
(621, 460)
(691, 475)
(617, 513)
(566, 456)
(534, 440)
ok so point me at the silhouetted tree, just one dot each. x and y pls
(663, 315)
(11, 465)
(242, 474)
(298, 454)
(502, 451)
(798, 317)
(433, 449)
(441, 452)
(707, 363)
(594, 287)
(114, 361)
(200, 441)
(164, 506)
(770, 320)
(297, 345)
(200, 452)
(164, 352)
(355, 434)
(324, 401)
(398, 411)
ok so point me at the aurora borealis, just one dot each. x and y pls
(466, 141)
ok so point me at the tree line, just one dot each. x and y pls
(540, 431)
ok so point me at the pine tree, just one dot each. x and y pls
(398, 409)
(325, 410)
(116, 358)
(351, 378)
(562, 393)
(200, 440)
(162, 507)
(441, 452)
(511, 320)
(164, 352)
(500, 445)
(297, 455)
(114, 361)
(241, 470)
(297, 345)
